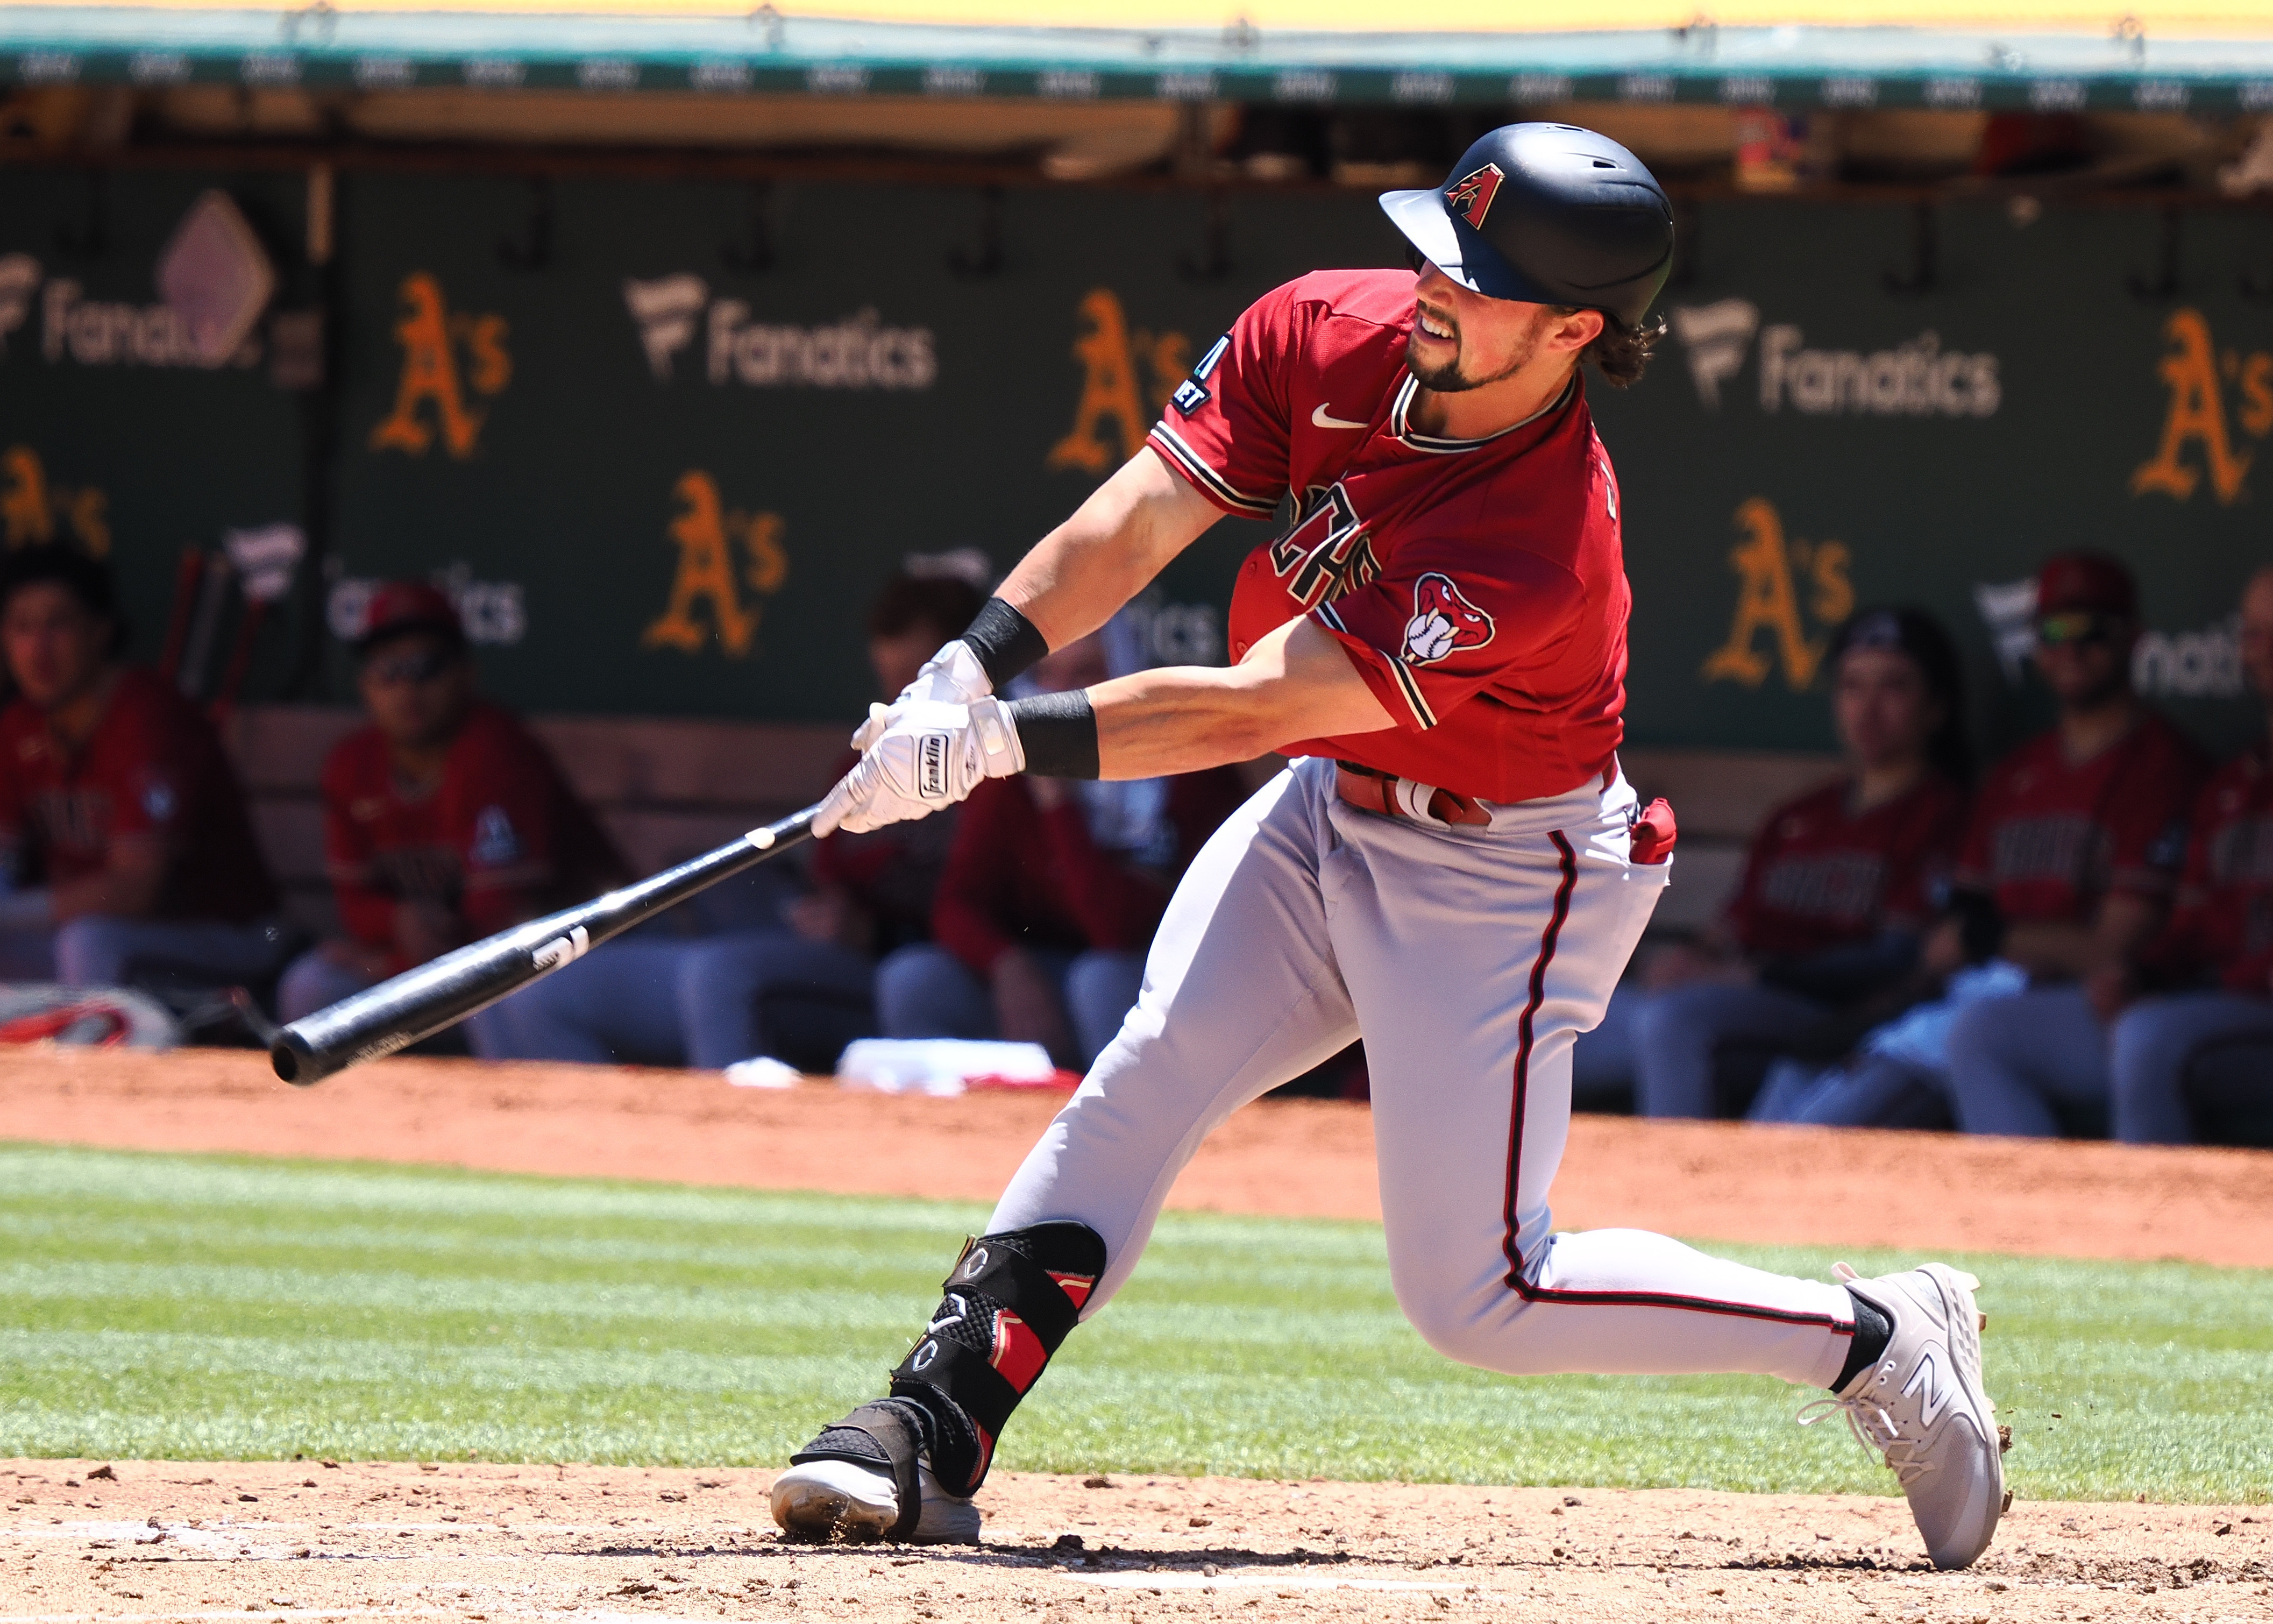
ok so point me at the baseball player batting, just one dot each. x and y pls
(1453, 869)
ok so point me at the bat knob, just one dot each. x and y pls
(294, 1059)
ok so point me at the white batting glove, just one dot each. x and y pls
(927, 755)
(953, 677)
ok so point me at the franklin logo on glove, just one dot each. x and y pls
(922, 754)
(931, 766)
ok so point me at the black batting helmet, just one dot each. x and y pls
(1549, 215)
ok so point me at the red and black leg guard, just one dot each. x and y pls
(1009, 1301)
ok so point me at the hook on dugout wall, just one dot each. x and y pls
(988, 259)
(2256, 289)
(2164, 284)
(90, 238)
(531, 249)
(1925, 273)
(1212, 263)
(1688, 244)
(754, 254)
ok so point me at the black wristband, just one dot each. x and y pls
(1005, 642)
(1058, 732)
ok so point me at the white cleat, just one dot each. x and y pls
(1922, 1409)
(848, 1502)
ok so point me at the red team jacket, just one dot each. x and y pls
(502, 837)
(1479, 585)
(2224, 921)
(151, 769)
(1820, 875)
(2050, 839)
(1018, 877)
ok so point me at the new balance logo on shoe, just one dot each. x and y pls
(1934, 1381)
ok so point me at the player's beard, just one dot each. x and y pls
(1450, 379)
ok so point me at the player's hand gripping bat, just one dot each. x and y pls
(420, 1003)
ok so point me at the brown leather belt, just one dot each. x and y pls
(1376, 791)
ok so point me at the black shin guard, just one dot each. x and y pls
(1009, 1301)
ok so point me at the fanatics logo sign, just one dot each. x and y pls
(1471, 196)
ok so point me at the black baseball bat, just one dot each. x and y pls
(420, 1003)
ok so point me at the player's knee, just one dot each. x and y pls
(2146, 1055)
(1976, 1031)
(1456, 1336)
(1455, 1325)
(923, 991)
(90, 952)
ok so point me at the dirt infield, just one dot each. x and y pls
(490, 1544)
(494, 1543)
(1300, 1158)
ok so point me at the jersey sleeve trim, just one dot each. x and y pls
(1382, 671)
(1212, 485)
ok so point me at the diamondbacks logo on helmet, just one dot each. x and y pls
(1442, 620)
(1471, 196)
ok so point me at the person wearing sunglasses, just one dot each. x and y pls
(2068, 869)
(445, 820)
(2208, 980)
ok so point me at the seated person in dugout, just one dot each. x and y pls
(2206, 980)
(1053, 889)
(797, 992)
(2066, 871)
(445, 820)
(123, 831)
(1841, 884)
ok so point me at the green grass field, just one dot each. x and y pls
(228, 1308)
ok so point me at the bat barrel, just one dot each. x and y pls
(421, 1001)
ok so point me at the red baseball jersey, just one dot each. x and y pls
(152, 769)
(2050, 836)
(2224, 921)
(1478, 584)
(501, 838)
(1822, 874)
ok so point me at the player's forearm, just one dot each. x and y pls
(1078, 574)
(128, 889)
(2125, 925)
(1296, 683)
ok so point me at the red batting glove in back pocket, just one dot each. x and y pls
(1654, 833)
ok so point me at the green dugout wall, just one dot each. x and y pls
(663, 437)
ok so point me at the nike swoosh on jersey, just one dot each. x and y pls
(1322, 420)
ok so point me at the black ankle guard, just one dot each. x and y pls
(1009, 1302)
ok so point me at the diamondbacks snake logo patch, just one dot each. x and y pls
(1442, 620)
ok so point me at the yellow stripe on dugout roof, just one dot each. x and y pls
(2213, 58)
(2184, 19)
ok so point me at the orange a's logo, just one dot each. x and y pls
(2197, 421)
(433, 336)
(1471, 196)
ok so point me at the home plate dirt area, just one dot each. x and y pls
(312, 1540)
(88, 1542)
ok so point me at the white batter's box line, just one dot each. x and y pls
(1255, 1581)
(551, 1616)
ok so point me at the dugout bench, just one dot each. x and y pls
(669, 789)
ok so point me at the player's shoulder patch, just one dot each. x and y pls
(1193, 392)
(1444, 620)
